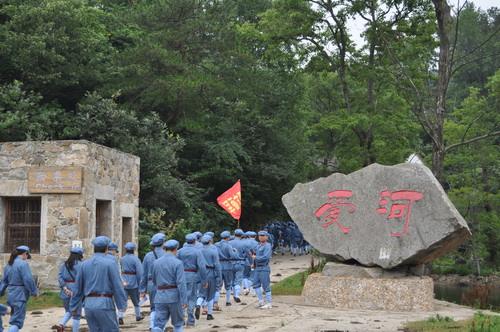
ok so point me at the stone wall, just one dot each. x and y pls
(114, 175)
(392, 294)
(108, 174)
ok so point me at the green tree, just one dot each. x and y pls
(24, 116)
(477, 50)
(473, 172)
(357, 116)
(194, 64)
(102, 121)
(59, 49)
(272, 92)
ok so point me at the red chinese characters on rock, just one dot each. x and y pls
(401, 206)
(329, 212)
(402, 202)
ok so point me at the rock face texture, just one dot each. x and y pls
(386, 216)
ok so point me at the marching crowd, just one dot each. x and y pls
(286, 236)
(178, 282)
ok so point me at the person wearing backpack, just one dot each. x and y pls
(67, 283)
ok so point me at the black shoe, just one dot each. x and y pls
(58, 328)
(210, 317)
(197, 312)
(138, 319)
(237, 300)
(120, 321)
(228, 304)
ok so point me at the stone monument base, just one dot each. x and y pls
(364, 290)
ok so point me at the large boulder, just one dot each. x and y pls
(385, 216)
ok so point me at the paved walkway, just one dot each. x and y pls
(289, 313)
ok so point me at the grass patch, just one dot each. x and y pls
(47, 299)
(290, 286)
(479, 323)
(294, 284)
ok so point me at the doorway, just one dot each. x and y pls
(126, 230)
(103, 218)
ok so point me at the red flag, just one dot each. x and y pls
(231, 201)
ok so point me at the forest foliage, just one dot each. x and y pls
(272, 92)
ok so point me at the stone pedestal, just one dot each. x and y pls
(361, 288)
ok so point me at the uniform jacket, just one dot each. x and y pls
(18, 280)
(147, 265)
(194, 263)
(169, 271)
(99, 275)
(131, 271)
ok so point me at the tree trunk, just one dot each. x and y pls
(371, 64)
(438, 155)
(342, 75)
(365, 138)
(444, 21)
(371, 56)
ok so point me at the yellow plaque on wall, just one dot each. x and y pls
(55, 180)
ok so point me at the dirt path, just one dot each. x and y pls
(289, 313)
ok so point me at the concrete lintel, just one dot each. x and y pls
(104, 192)
(14, 188)
(127, 210)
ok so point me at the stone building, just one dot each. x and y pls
(58, 194)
